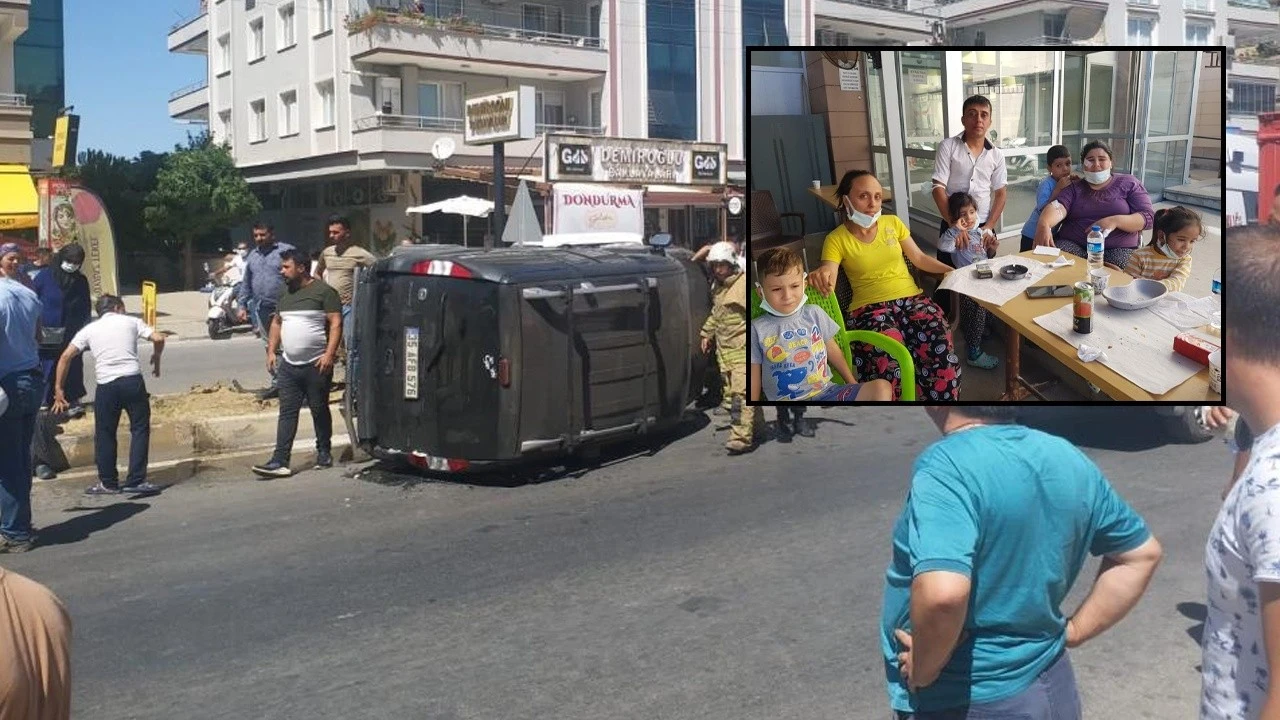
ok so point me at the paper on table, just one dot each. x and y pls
(1184, 311)
(1138, 345)
(1046, 250)
(995, 290)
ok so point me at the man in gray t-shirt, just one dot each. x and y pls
(306, 329)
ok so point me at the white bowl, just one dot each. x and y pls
(1136, 295)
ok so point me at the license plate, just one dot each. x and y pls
(411, 363)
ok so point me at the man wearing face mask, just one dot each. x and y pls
(969, 163)
(67, 307)
(726, 326)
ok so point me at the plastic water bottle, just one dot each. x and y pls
(1215, 321)
(1095, 248)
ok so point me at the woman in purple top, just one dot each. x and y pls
(1113, 202)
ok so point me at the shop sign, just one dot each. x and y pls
(634, 161)
(500, 117)
(593, 208)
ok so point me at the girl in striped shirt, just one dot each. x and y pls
(1167, 258)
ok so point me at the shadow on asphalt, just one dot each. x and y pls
(578, 465)
(1115, 427)
(1197, 612)
(79, 528)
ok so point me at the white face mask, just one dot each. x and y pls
(69, 267)
(861, 219)
(1168, 252)
(764, 304)
(1097, 178)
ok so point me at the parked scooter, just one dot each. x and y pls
(224, 310)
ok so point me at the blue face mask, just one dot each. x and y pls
(861, 219)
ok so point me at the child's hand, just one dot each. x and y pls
(963, 225)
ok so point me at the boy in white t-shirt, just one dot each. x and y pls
(113, 340)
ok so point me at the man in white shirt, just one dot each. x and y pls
(1241, 646)
(969, 163)
(113, 340)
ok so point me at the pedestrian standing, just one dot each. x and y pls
(302, 346)
(67, 307)
(21, 388)
(968, 162)
(998, 521)
(726, 328)
(35, 651)
(11, 264)
(338, 263)
(1241, 646)
(261, 288)
(113, 340)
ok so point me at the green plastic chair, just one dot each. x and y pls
(845, 339)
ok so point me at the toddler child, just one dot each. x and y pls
(1167, 258)
(967, 238)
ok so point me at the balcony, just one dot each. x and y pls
(495, 44)
(415, 134)
(15, 130)
(1256, 15)
(190, 103)
(191, 34)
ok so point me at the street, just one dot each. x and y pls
(199, 362)
(681, 585)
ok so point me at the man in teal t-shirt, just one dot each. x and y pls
(995, 529)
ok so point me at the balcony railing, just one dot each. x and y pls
(1250, 4)
(189, 19)
(196, 86)
(454, 125)
(482, 23)
(13, 100)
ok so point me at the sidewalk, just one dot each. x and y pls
(181, 314)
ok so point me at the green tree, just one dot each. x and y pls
(199, 191)
(123, 184)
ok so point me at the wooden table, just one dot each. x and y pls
(1019, 316)
(827, 194)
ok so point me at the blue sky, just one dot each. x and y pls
(120, 74)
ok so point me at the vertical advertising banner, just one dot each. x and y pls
(581, 208)
(72, 214)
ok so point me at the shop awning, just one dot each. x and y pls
(681, 196)
(19, 204)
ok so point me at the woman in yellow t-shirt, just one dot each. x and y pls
(870, 249)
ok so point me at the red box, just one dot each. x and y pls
(1194, 346)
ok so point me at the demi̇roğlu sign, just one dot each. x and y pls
(634, 161)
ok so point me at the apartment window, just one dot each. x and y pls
(1141, 30)
(1205, 6)
(1251, 98)
(1199, 33)
(287, 33)
(442, 8)
(224, 126)
(326, 15)
(550, 107)
(441, 100)
(542, 19)
(258, 120)
(224, 54)
(324, 108)
(596, 120)
(764, 22)
(257, 42)
(288, 113)
(250, 4)
(1054, 24)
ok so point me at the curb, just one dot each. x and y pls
(178, 442)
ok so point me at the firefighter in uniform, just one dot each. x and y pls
(727, 328)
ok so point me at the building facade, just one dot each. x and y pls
(336, 108)
(40, 68)
(15, 108)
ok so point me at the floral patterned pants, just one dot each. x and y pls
(918, 323)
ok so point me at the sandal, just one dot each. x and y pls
(983, 361)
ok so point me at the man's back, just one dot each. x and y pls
(35, 650)
(19, 314)
(1017, 511)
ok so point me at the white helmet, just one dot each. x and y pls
(723, 252)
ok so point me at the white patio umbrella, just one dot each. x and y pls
(464, 205)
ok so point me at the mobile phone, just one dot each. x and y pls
(1047, 291)
(983, 270)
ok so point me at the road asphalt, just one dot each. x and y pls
(679, 585)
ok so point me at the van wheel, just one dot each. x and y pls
(1182, 426)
